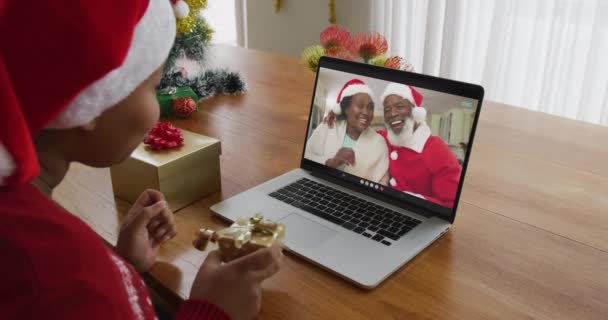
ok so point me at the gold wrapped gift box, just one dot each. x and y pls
(244, 236)
(184, 175)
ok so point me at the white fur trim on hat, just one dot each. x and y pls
(7, 164)
(404, 91)
(354, 89)
(335, 108)
(419, 114)
(152, 39)
(400, 90)
(351, 91)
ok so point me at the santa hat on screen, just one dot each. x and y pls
(350, 88)
(410, 94)
(61, 66)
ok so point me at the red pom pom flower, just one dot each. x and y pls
(164, 136)
(369, 45)
(394, 62)
(335, 40)
(184, 107)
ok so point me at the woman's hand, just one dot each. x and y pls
(343, 156)
(236, 287)
(330, 119)
(148, 224)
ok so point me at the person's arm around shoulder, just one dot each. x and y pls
(315, 145)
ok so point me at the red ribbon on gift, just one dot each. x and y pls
(164, 136)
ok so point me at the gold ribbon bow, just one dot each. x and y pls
(243, 229)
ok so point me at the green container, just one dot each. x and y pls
(166, 97)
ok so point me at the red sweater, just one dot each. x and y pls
(53, 266)
(433, 173)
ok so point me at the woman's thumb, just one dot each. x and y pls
(213, 260)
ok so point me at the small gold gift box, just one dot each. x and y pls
(184, 174)
(244, 236)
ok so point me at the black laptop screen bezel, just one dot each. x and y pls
(399, 199)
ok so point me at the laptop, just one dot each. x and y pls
(356, 226)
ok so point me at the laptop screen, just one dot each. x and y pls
(397, 138)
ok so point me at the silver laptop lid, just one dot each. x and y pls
(404, 138)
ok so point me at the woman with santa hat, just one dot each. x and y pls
(77, 83)
(351, 145)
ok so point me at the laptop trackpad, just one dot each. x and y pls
(301, 233)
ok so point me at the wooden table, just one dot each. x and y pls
(530, 239)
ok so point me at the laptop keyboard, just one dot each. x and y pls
(363, 217)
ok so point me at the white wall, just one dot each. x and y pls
(299, 23)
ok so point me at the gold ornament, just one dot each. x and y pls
(196, 5)
(277, 6)
(186, 25)
(332, 12)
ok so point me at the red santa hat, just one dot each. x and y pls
(62, 65)
(410, 94)
(350, 88)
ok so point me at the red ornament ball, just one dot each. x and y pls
(184, 107)
(164, 136)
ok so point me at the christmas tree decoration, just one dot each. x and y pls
(164, 136)
(185, 66)
(363, 47)
(184, 107)
(183, 165)
(187, 13)
(244, 236)
(197, 5)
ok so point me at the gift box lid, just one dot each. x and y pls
(193, 142)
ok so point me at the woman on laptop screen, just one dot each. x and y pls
(351, 145)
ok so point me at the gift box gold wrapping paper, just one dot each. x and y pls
(244, 236)
(183, 175)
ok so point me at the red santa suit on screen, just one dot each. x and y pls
(420, 163)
